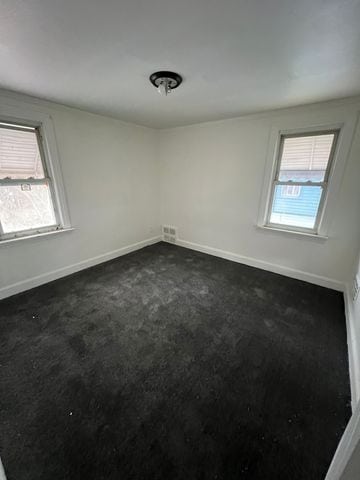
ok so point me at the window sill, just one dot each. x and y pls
(294, 232)
(35, 235)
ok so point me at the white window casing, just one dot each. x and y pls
(343, 131)
(323, 183)
(17, 113)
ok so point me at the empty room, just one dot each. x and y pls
(180, 240)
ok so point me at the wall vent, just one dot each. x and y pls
(169, 233)
(356, 287)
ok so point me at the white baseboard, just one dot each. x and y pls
(353, 348)
(76, 267)
(271, 267)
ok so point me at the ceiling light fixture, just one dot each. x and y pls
(165, 81)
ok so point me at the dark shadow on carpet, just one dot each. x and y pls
(171, 364)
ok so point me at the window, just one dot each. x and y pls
(27, 202)
(290, 190)
(301, 179)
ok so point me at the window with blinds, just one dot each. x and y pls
(26, 200)
(301, 179)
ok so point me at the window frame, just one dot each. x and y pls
(343, 116)
(322, 184)
(20, 115)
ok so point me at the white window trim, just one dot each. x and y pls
(323, 184)
(14, 111)
(346, 131)
(39, 233)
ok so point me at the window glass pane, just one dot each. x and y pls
(24, 207)
(305, 158)
(19, 154)
(290, 190)
(296, 210)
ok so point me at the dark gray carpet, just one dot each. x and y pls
(170, 364)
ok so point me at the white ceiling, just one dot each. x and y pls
(236, 56)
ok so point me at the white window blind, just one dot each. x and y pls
(305, 157)
(19, 154)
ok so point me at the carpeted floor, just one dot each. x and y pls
(169, 364)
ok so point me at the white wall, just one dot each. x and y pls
(356, 338)
(345, 464)
(211, 184)
(111, 178)
(353, 332)
(352, 469)
(208, 183)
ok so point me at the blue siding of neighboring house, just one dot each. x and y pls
(305, 204)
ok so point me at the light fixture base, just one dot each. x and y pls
(171, 79)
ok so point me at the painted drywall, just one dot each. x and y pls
(111, 178)
(122, 181)
(352, 469)
(235, 56)
(353, 331)
(356, 341)
(345, 464)
(211, 185)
